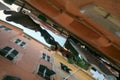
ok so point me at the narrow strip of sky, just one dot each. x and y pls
(34, 34)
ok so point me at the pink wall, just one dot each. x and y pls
(25, 65)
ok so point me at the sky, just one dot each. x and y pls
(37, 36)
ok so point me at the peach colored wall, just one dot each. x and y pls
(25, 65)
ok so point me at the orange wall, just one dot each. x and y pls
(85, 28)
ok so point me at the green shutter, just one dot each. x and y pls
(42, 17)
(50, 72)
(47, 74)
(9, 1)
(41, 70)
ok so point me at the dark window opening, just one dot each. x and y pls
(48, 58)
(45, 72)
(5, 28)
(43, 55)
(22, 44)
(9, 77)
(17, 41)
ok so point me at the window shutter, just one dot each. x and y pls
(9, 1)
(42, 17)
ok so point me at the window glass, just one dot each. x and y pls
(43, 55)
(12, 55)
(9, 77)
(17, 41)
(42, 72)
(7, 48)
(5, 28)
(23, 44)
(14, 52)
(48, 58)
(4, 51)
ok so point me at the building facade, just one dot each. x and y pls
(66, 71)
(74, 16)
(95, 23)
(22, 57)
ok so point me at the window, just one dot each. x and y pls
(46, 57)
(44, 72)
(27, 37)
(9, 77)
(43, 55)
(20, 42)
(17, 41)
(65, 68)
(9, 53)
(5, 28)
